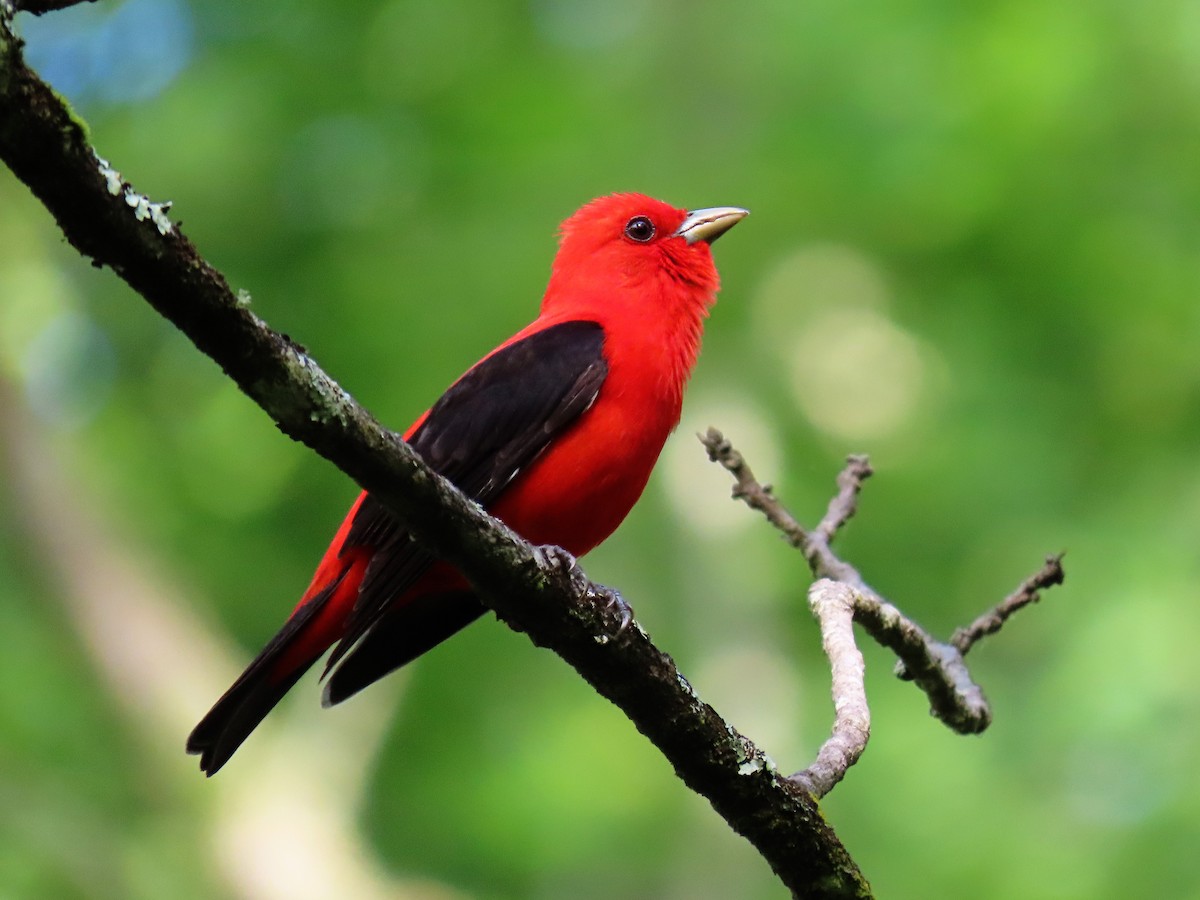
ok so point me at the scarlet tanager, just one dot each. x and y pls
(554, 432)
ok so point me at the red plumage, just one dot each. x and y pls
(555, 432)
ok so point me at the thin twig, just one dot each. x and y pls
(757, 496)
(1026, 593)
(833, 602)
(845, 502)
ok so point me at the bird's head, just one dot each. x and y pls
(631, 243)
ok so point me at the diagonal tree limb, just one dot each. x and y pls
(539, 590)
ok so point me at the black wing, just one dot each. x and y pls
(492, 423)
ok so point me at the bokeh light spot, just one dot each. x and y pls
(823, 313)
(855, 374)
(815, 277)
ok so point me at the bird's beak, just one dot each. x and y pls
(709, 224)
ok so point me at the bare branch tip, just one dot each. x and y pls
(858, 468)
(718, 447)
(1027, 593)
(1055, 574)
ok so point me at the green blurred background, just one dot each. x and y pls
(974, 254)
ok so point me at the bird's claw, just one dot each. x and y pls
(614, 602)
(597, 594)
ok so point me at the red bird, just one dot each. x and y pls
(554, 432)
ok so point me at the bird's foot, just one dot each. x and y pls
(613, 603)
(608, 599)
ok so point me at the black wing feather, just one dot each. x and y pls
(492, 423)
(398, 637)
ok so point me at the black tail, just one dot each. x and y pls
(234, 716)
(253, 695)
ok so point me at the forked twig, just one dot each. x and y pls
(937, 667)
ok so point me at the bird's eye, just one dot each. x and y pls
(639, 229)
